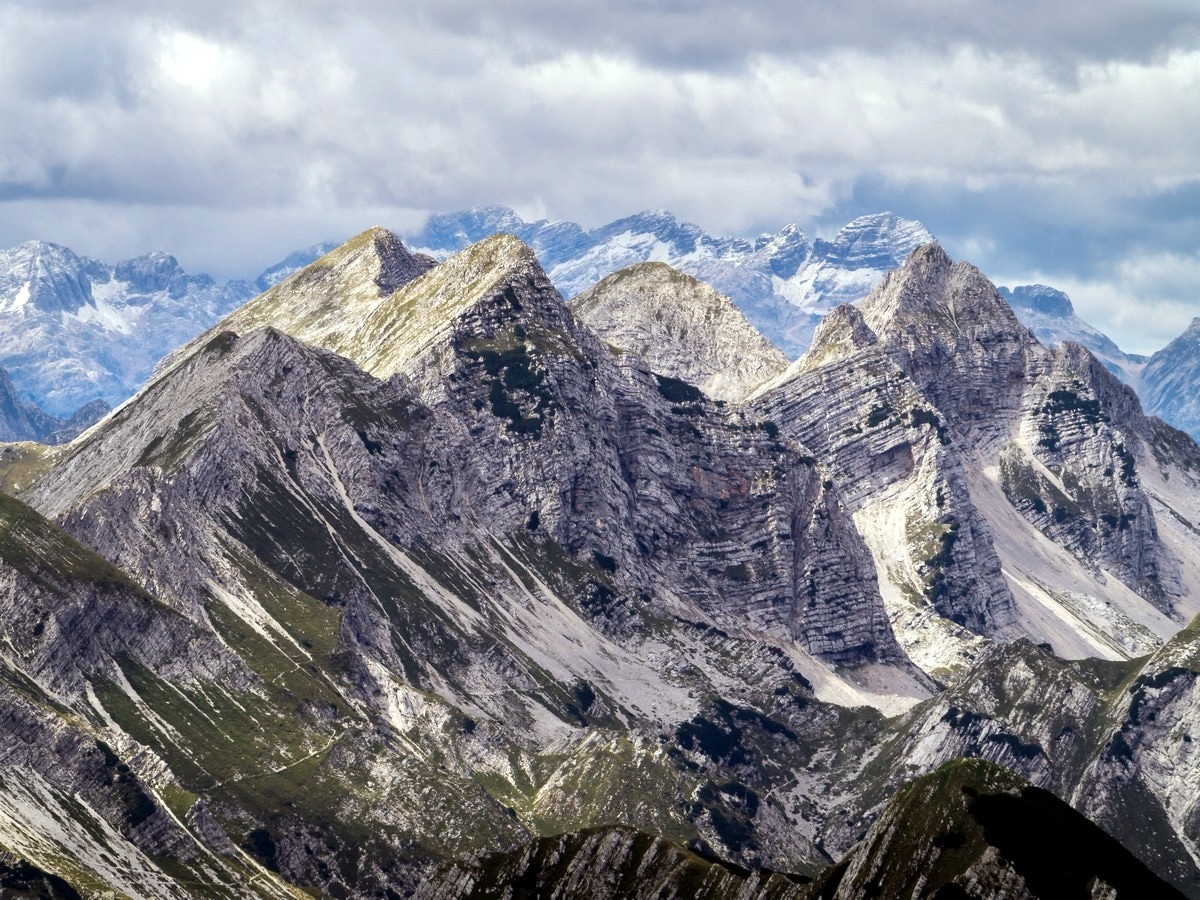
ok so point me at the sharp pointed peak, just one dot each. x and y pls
(843, 326)
(930, 253)
(931, 291)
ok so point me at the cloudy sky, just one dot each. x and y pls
(1040, 141)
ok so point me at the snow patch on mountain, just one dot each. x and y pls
(79, 330)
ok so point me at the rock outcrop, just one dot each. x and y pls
(680, 327)
(971, 829)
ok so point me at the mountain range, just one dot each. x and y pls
(83, 331)
(82, 336)
(408, 577)
(783, 282)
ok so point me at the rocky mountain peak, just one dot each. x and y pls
(949, 329)
(1167, 382)
(843, 327)
(1039, 298)
(879, 241)
(382, 306)
(680, 327)
(1049, 314)
(38, 275)
(322, 302)
(457, 231)
(498, 277)
(151, 272)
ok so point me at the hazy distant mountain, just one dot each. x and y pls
(1170, 381)
(291, 263)
(1049, 314)
(22, 420)
(77, 330)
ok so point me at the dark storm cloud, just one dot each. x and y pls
(1037, 138)
(701, 33)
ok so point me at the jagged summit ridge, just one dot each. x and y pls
(782, 282)
(45, 276)
(1049, 434)
(509, 584)
(326, 302)
(880, 239)
(1050, 315)
(373, 301)
(948, 327)
(680, 327)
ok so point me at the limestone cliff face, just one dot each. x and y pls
(74, 629)
(1083, 430)
(532, 423)
(890, 451)
(1064, 440)
(678, 326)
(1112, 738)
(513, 528)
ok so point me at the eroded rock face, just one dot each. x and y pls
(513, 528)
(421, 569)
(520, 418)
(1086, 494)
(680, 327)
(72, 627)
(948, 329)
(891, 452)
(1064, 436)
(1112, 738)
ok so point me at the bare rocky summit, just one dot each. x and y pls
(680, 327)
